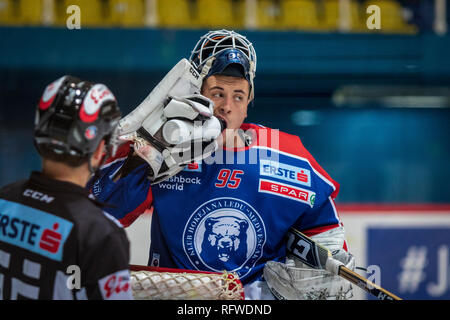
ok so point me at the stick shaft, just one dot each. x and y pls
(366, 284)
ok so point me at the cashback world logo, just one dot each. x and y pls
(177, 182)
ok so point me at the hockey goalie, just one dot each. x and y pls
(224, 193)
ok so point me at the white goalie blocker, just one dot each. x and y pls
(294, 280)
(174, 125)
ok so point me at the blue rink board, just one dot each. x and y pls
(414, 262)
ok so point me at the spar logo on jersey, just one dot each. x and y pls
(283, 190)
(224, 234)
(285, 172)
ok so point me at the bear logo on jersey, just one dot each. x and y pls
(224, 240)
(224, 234)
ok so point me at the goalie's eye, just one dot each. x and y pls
(239, 98)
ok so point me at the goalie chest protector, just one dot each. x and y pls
(231, 211)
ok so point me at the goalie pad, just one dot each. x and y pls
(294, 280)
(174, 125)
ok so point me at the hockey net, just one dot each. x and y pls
(153, 283)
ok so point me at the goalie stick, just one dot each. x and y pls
(318, 257)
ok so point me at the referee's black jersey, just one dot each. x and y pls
(57, 243)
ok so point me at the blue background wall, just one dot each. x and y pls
(377, 154)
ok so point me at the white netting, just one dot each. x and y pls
(161, 284)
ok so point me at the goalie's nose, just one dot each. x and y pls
(226, 105)
(224, 108)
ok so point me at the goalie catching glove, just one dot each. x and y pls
(174, 125)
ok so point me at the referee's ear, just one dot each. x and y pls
(99, 153)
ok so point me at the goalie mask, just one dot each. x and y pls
(73, 116)
(216, 51)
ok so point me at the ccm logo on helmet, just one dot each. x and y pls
(94, 99)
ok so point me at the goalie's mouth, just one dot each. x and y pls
(218, 116)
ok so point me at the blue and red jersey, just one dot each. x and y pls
(232, 210)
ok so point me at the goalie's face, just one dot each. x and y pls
(230, 96)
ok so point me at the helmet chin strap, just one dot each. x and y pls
(206, 67)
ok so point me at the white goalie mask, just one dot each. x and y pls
(217, 49)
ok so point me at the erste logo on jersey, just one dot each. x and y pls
(285, 172)
(33, 230)
(224, 234)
